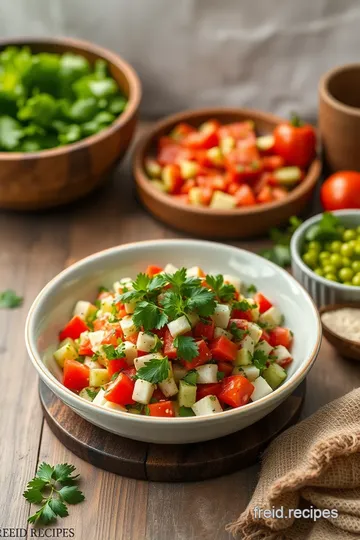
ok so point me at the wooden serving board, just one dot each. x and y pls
(167, 463)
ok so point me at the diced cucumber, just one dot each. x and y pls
(195, 196)
(98, 377)
(221, 315)
(218, 332)
(265, 142)
(107, 304)
(179, 326)
(264, 346)
(251, 372)
(234, 281)
(188, 169)
(207, 374)
(128, 327)
(216, 156)
(261, 389)
(207, 405)
(143, 391)
(255, 332)
(168, 387)
(152, 168)
(281, 354)
(145, 342)
(274, 375)
(272, 317)
(243, 358)
(84, 309)
(159, 185)
(187, 394)
(140, 361)
(179, 372)
(227, 144)
(287, 176)
(248, 344)
(66, 352)
(222, 201)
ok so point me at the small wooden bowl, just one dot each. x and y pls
(32, 181)
(346, 347)
(207, 222)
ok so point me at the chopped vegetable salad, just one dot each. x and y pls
(175, 342)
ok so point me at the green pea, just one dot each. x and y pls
(331, 277)
(346, 274)
(352, 243)
(356, 266)
(310, 258)
(314, 246)
(346, 262)
(347, 250)
(324, 255)
(358, 229)
(319, 271)
(335, 246)
(356, 280)
(329, 269)
(336, 260)
(357, 250)
(349, 234)
(327, 246)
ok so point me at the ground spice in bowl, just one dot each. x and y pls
(344, 322)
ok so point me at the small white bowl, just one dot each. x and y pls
(322, 290)
(54, 305)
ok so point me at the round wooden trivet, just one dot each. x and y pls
(167, 463)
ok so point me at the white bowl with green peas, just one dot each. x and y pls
(326, 257)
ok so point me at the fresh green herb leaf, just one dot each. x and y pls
(158, 343)
(45, 472)
(102, 289)
(71, 494)
(113, 353)
(220, 375)
(191, 377)
(186, 411)
(251, 289)
(238, 333)
(187, 348)
(157, 282)
(243, 305)
(147, 410)
(173, 304)
(149, 316)
(224, 291)
(9, 299)
(177, 279)
(155, 370)
(91, 393)
(280, 252)
(62, 472)
(202, 301)
(259, 359)
(325, 230)
(58, 507)
(115, 376)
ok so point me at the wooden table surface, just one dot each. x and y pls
(33, 249)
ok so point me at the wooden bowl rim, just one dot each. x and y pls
(334, 307)
(329, 98)
(134, 98)
(253, 114)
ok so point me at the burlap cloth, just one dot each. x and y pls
(315, 463)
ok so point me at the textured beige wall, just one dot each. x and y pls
(254, 53)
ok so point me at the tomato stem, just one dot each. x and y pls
(295, 120)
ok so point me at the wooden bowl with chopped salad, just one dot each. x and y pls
(226, 172)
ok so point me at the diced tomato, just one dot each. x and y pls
(280, 336)
(114, 366)
(160, 332)
(285, 362)
(163, 408)
(206, 195)
(236, 391)
(203, 330)
(133, 338)
(170, 152)
(237, 130)
(242, 324)
(141, 353)
(73, 329)
(172, 178)
(75, 375)
(263, 303)
(121, 390)
(152, 270)
(232, 188)
(271, 163)
(219, 182)
(279, 193)
(99, 324)
(225, 367)
(265, 195)
(223, 349)
(187, 185)
(130, 372)
(180, 130)
(265, 337)
(158, 395)
(122, 313)
(169, 348)
(203, 356)
(245, 315)
(245, 153)
(201, 140)
(111, 338)
(85, 347)
(245, 196)
(203, 159)
(212, 389)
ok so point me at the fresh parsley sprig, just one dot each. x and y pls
(155, 370)
(187, 348)
(224, 291)
(238, 333)
(244, 305)
(259, 360)
(52, 488)
(191, 377)
(113, 353)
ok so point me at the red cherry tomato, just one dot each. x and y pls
(341, 190)
(295, 142)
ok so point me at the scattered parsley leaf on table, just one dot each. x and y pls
(52, 487)
(186, 346)
(9, 299)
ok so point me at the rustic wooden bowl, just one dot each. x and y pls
(32, 181)
(207, 222)
(346, 347)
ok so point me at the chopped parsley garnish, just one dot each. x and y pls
(220, 375)
(113, 353)
(191, 377)
(92, 393)
(9, 299)
(155, 370)
(251, 289)
(158, 343)
(260, 359)
(187, 348)
(148, 315)
(238, 333)
(186, 411)
(243, 305)
(224, 291)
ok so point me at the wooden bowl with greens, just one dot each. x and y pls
(67, 115)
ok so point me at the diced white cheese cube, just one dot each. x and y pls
(207, 405)
(248, 344)
(168, 387)
(281, 353)
(130, 351)
(114, 406)
(255, 331)
(261, 389)
(194, 271)
(107, 304)
(264, 346)
(251, 372)
(179, 326)
(143, 391)
(221, 315)
(128, 327)
(179, 372)
(193, 318)
(170, 269)
(91, 363)
(218, 332)
(100, 398)
(95, 339)
(233, 280)
(207, 374)
(83, 309)
(272, 317)
(145, 342)
(142, 360)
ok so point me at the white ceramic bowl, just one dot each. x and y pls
(53, 307)
(322, 290)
